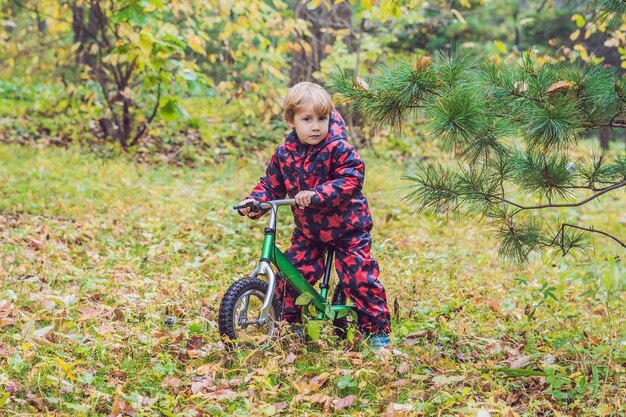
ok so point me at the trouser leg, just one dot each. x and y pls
(358, 273)
(308, 258)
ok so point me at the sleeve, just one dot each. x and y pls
(272, 185)
(348, 171)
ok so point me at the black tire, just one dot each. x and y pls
(232, 313)
(341, 324)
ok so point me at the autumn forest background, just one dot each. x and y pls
(493, 136)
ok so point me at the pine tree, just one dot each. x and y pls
(514, 128)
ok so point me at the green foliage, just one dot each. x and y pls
(549, 176)
(456, 118)
(142, 60)
(478, 112)
(610, 11)
(519, 238)
(435, 188)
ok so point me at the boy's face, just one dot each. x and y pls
(311, 127)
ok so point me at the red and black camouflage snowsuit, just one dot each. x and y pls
(334, 170)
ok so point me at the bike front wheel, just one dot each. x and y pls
(240, 310)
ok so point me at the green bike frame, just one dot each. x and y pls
(272, 256)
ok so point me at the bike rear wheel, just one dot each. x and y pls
(239, 314)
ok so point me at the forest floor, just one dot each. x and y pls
(96, 255)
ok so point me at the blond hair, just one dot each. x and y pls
(305, 93)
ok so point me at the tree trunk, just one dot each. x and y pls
(605, 137)
(90, 26)
(320, 20)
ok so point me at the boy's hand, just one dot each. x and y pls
(246, 211)
(303, 198)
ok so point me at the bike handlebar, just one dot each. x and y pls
(258, 206)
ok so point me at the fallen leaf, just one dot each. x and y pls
(172, 381)
(222, 394)
(399, 383)
(269, 410)
(290, 358)
(280, 406)
(122, 408)
(520, 361)
(205, 369)
(494, 305)
(509, 413)
(483, 413)
(200, 384)
(403, 368)
(195, 342)
(398, 410)
(344, 402)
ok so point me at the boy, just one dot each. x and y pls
(316, 159)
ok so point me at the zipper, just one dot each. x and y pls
(301, 171)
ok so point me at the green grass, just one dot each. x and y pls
(96, 255)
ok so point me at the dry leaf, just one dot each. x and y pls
(399, 383)
(398, 410)
(172, 381)
(520, 361)
(344, 402)
(560, 85)
(222, 394)
(483, 413)
(122, 408)
(422, 64)
(520, 86)
(359, 84)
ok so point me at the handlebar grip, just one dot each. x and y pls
(254, 206)
(316, 199)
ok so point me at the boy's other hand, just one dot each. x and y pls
(303, 198)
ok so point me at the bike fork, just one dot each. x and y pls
(264, 268)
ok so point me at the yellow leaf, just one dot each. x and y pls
(605, 410)
(579, 19)
(582, 51)
(67, 368)
(587, 34)
(458, 15)
(500, 46)
(466, 4)
(623, 64)
(196, 43)
(575, 35)
(145, 42)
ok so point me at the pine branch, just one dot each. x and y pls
(572, 243)
(580, 203)
(615, 123)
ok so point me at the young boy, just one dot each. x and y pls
(316, 159)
